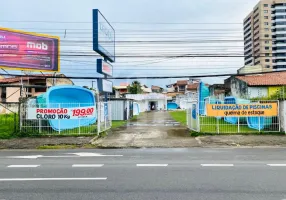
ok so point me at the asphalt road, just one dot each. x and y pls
(137, 174)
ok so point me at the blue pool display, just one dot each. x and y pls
(259, 123)
(203, 93)
(194, 111)
(172, 106)
(136, 109)
(234, 100)
(67, 97)
(254, 123)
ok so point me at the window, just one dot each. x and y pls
(265, 5)
(267, 54)
(267, 42)
(265, 11)
(3, 93)
(280, 23)
(266, 23)
(182, 88)
(265, 17)
(267, 66)
(266, 29)
(267, 48)
(267, 60)
(266, 35)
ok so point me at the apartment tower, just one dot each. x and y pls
(265, 35)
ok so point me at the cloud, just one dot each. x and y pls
(175, 15)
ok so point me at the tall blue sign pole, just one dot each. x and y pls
(104, 44)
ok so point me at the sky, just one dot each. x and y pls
(170, 29)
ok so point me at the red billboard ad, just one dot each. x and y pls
(28, 51)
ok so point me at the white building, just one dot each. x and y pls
(149, 102)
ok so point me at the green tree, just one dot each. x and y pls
(135, 88)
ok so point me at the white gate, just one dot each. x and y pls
(104, 116)
(193, 117)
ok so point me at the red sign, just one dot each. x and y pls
(28, 51)
(104, 67)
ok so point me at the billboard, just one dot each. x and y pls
(28, 51)
(242, 110)
(104, 67)
(105, 86)
(103, 36)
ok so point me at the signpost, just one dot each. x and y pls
(104, 44)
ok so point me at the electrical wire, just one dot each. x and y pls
(145, 77)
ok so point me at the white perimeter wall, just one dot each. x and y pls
(282, 113)
(144, 105)
(257, 92)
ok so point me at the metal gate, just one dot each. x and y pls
(201, 121)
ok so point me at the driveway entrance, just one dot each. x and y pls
(151, 129)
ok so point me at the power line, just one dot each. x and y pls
(117, 22)
(145, 77)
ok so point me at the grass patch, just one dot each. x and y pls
(8, 126)
(134, 118)
(89, 146)
(58, 147)
(179, 116)
(117, 124)
(214, 125)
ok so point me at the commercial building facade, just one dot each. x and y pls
(265, 35)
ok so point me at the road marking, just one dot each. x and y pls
(27, 157)
(74, 155)
(87, 154)
(87, 165)
(217, 165)
(277, 165)
(152, 165)
(23, 166)
(52, 179)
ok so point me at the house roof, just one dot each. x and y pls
(154, 87)
(192, 86)
(173, 94)
(267, 79)
(120, 87)
(183, 82)
(146, 90)
(124, 84)
(18, 79)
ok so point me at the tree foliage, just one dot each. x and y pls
(135, 88)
